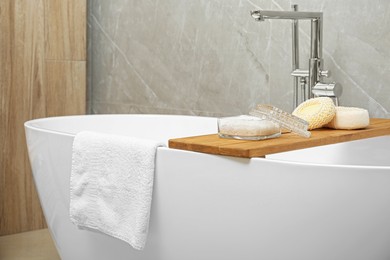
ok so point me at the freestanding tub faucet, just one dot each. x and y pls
(310, 80)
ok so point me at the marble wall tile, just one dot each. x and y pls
(211, 58)
(197, 57)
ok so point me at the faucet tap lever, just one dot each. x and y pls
(325, 73)
(305, 73)
(327, 89)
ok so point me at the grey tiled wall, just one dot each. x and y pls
(211, 58)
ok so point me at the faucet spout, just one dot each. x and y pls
(316, 25)
(261, 15)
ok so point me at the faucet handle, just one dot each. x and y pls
(300, 73)
(325, 73)
(327, 89)
(305, 73)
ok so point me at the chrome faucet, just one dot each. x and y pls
(310, 80)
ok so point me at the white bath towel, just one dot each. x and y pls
(111, 185)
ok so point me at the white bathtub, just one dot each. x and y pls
(325, 203)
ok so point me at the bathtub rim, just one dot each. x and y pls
(29, 124)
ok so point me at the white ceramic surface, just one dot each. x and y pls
(331, 202)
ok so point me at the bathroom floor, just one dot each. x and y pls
(33, 245)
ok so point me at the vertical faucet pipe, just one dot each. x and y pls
(295, 56)
(315, 55)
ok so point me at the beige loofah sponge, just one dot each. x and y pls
(349, 118)
(316, 111)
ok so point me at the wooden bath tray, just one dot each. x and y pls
(287, 142)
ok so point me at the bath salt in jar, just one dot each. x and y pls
(247, 128)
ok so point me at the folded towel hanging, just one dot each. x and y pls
(111, 185)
